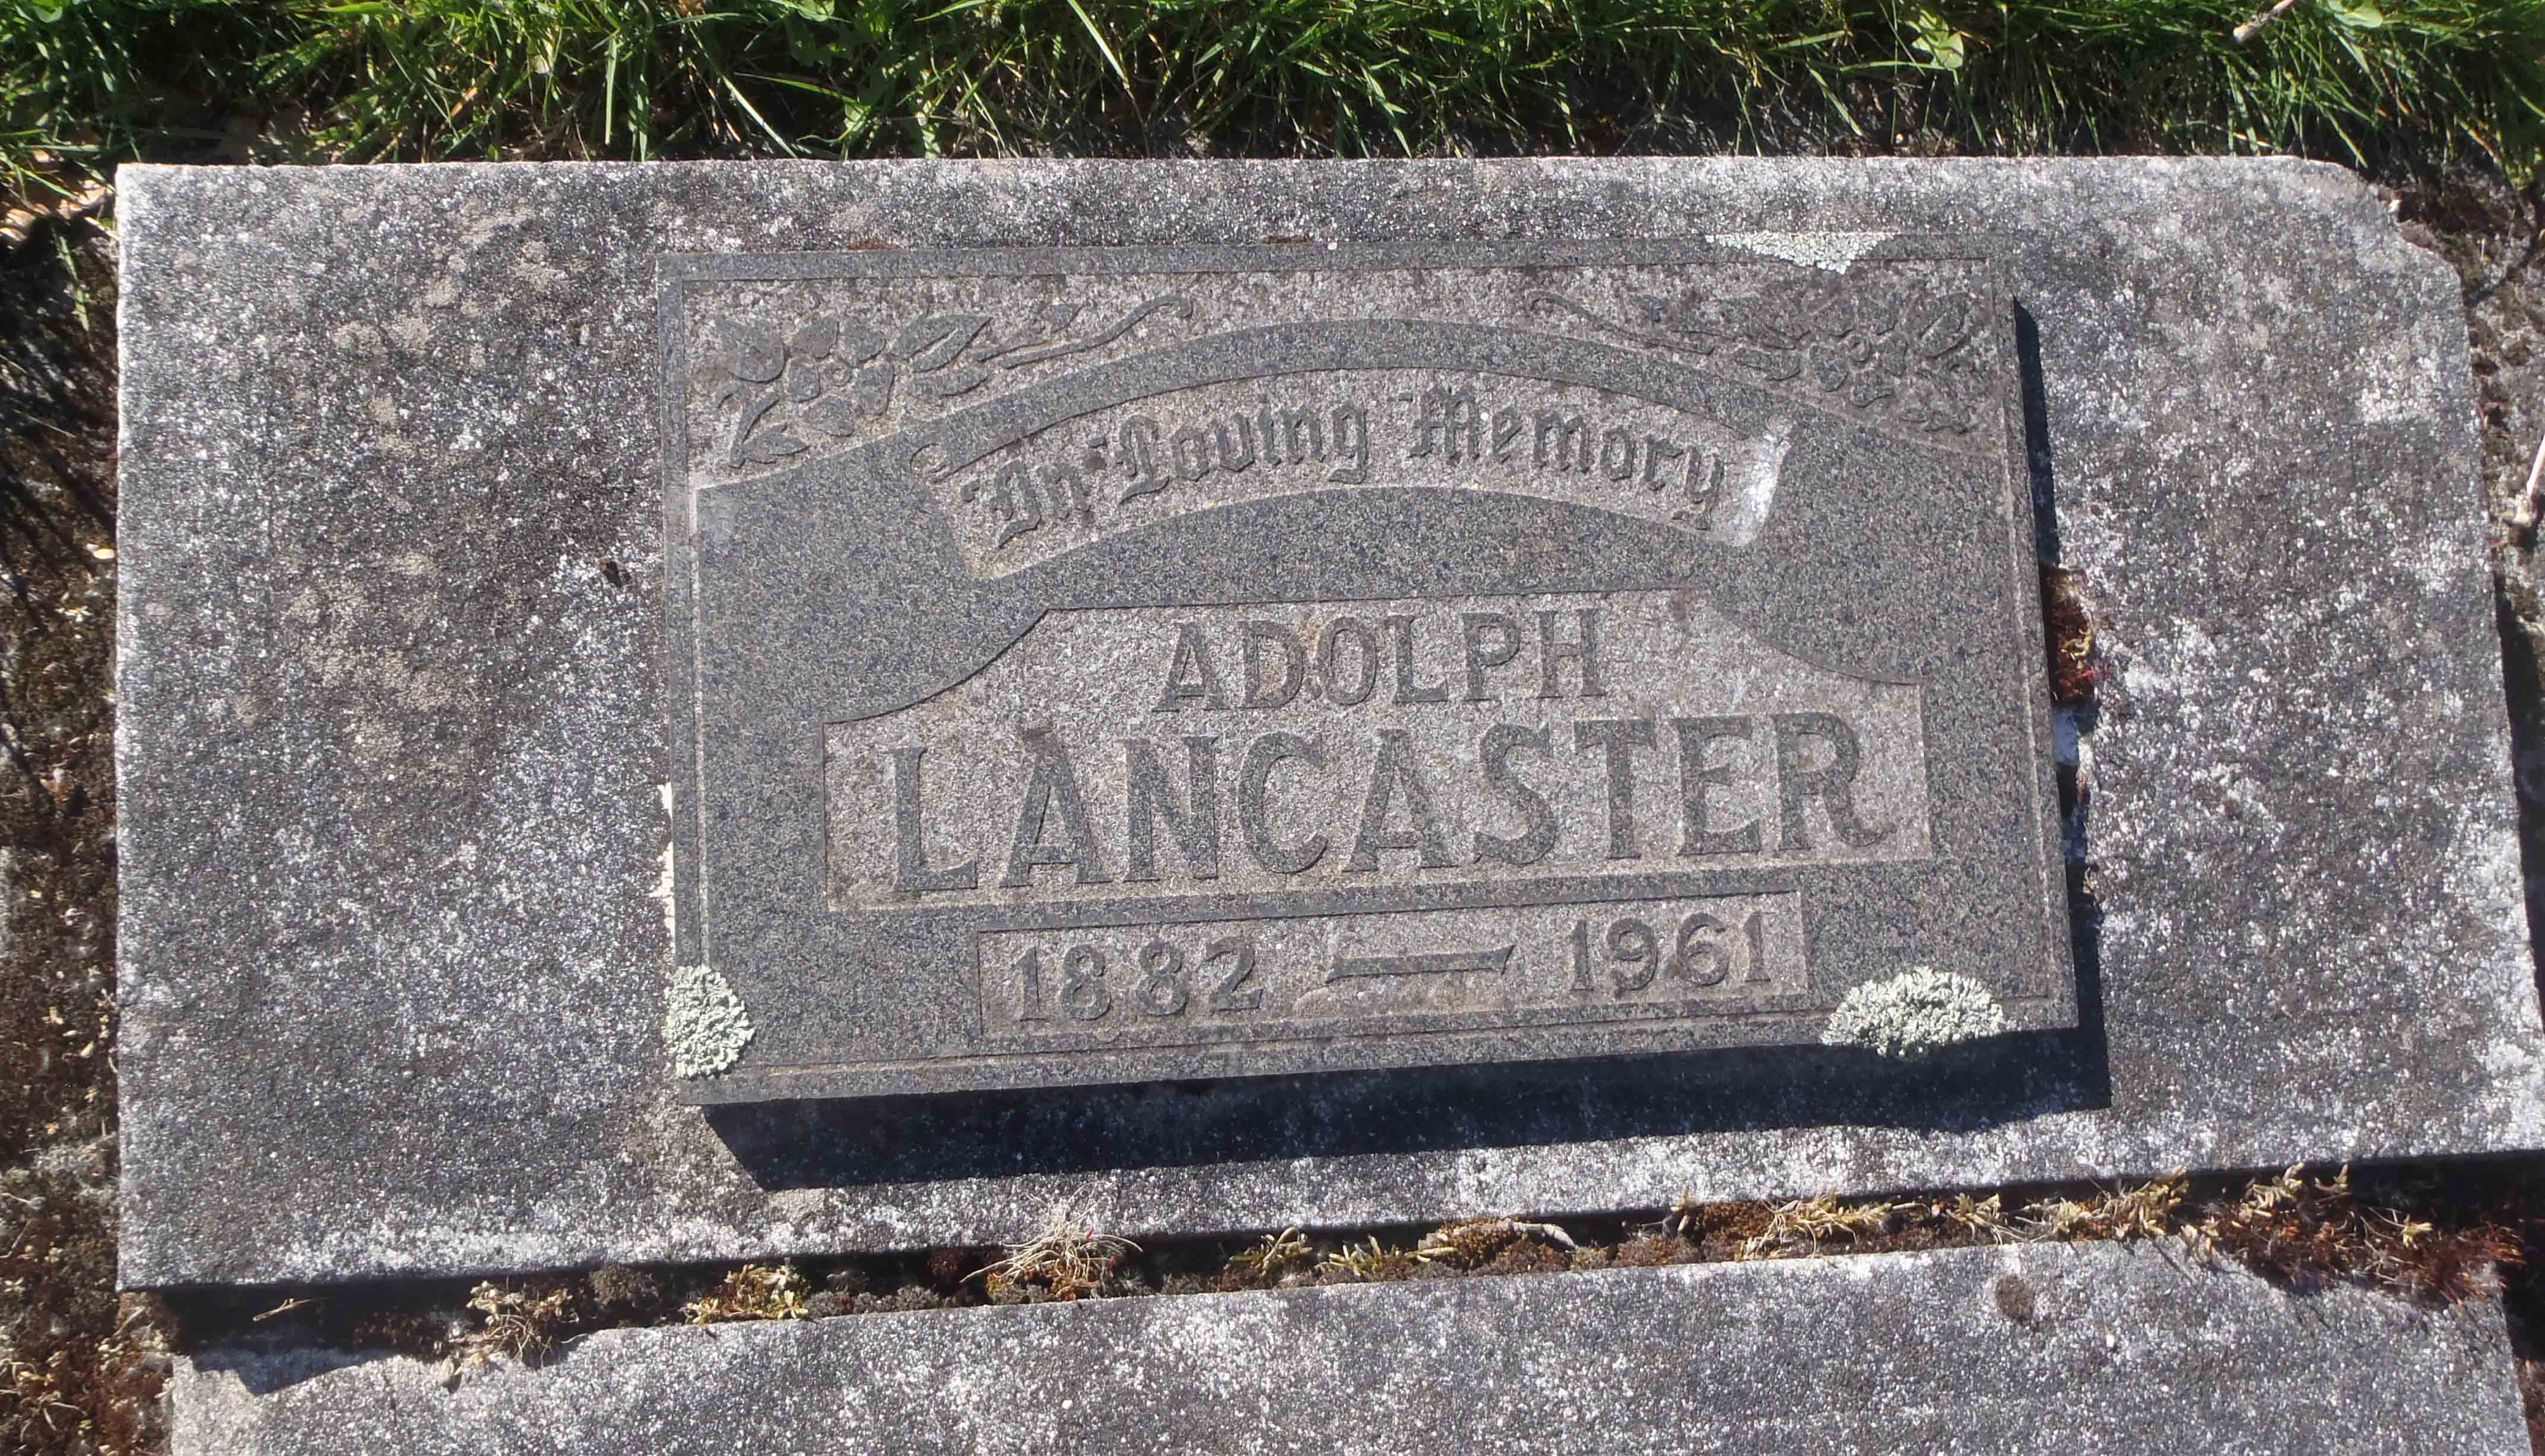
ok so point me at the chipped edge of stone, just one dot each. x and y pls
(704, 1025)
(1914, 1013)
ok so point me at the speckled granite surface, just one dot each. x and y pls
(397, 727)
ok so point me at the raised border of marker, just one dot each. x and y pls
(1085, 644)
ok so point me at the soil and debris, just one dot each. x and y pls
(2494, 237)
(78, 1373)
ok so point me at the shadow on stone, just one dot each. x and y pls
(263, 1370)
(811, 1144)
(2078, 721)
(2523, 679)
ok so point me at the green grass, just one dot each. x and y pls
(2389, 84)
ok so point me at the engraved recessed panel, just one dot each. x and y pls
(1107, 665)
(1305, 978)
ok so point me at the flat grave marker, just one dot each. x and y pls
(1119, 664)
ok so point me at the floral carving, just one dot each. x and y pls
(835, 375)
(1890, 348)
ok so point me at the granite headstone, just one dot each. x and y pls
(1241, 691)
(1119, 664)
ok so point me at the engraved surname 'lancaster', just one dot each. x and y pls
(1269, 748)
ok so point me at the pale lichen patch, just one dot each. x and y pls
(1914, 1013)
(705, 1024)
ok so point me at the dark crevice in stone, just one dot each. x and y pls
(335, 1326)
(2522, 681)
(2074, 674)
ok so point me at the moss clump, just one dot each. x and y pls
(2146, 1211)
(752, 1292)
(1709, 1230)
(1064, 1262)
(1499, 1244)
(1279, 1258)
(1805, 1225)
(2068, 637)
(523, 1320)
(623, 1290)
(1367, 1264)
(947, 1269)
(907, 1296)
(1652, 1252)
(2309, 1230)
(1467, 1246)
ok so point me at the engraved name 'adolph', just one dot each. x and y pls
(1200, 751)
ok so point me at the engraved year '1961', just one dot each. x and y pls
(1690, 956)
